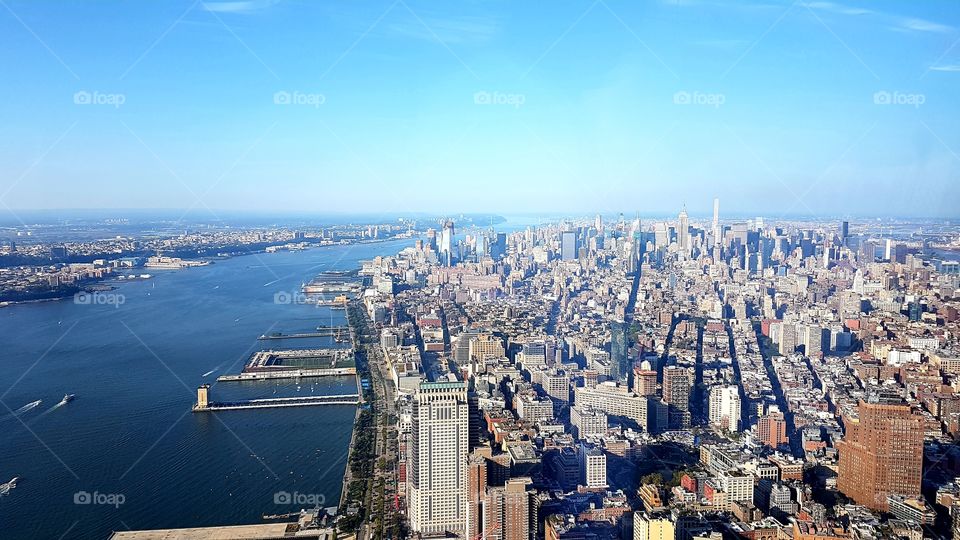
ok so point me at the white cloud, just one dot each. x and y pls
(921, 25)
(240, 6)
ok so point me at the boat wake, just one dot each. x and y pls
(27, 407)
(209, 372)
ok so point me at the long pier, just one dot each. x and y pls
(288, 374)
(303, 335)
(271, 403)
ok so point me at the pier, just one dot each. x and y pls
(203, 404)
(340, 333)
(288, 374)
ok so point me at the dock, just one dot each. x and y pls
(289, 374)
(271, 403)
(341, 333)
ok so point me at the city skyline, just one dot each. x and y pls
(812, 108)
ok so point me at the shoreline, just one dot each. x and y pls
(91, 287)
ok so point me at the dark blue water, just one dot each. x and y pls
(135, 368)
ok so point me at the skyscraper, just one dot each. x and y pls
(881, 453)
(438, 458)
(568, 246)
(716, 222)
(619, 365)
(446, 243)
(725, 407)
(683, 232)
(676, 394)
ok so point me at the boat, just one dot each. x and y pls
(67, 398)
(5, 488)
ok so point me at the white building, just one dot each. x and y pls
(588, 421)
(593, 467)
(437, 483)
(725, 407)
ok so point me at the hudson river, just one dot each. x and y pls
(127, 453)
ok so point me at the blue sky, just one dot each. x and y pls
(407, 105)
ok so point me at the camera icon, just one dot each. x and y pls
(282, 297)
(281, 98)
(282, 497)
(681, 98)
(481, 98)
(82, 98)
(83, 298)
(82, 497)
(882, 98)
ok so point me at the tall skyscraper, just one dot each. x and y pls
(683, 232)
(716, 222)
(438, 459)
(881, 453)
(725, 407)
(446, 243)
(619, 364)
(568, 246)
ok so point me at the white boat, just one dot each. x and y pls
(5, 488)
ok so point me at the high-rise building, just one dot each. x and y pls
(676, 393)
(813, 341)
(476, 492)
(648, 527)
(506, 513)
(644, 381)
(772, 429)
(725, 407)
(446, 243)
(437, 479)
(844, 231)
(568, 246)
(683, 232)
(619, 364)
(788, 338)
(717, 237)
(881, 453)
(593, 467)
